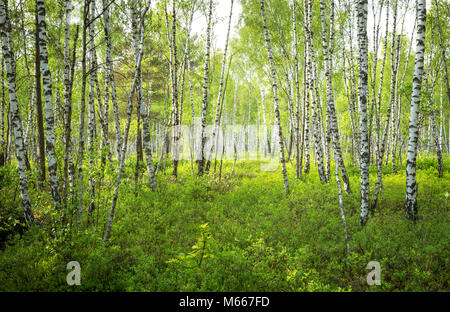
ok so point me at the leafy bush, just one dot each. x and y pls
(239, 233)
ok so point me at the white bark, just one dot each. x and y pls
(49, 117)
(392, 95)
(67, 98)
(306, 91)
(298, 165)
(125, 139)
(363, 95)
(91, 115)
(221, 90)
(275, 97)
(110, 74)
(201, 162)
(14, 107)
(144, 114)
(330, 94)
(411, 184)
(315, 105)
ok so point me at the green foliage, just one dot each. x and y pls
(237, 234)
(11, 216)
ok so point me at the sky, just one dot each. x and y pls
(221, 16)
(408, 25)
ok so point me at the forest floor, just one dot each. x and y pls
(241, 233)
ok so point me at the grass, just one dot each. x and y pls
(241, 233)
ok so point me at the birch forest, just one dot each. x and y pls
(224, 145)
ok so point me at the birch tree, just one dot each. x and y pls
(49, 117)
(443, 49)
(67, 96)
(127, 129)
(306, 97)
(14, 106)
(38, 97)
(315, 110)
(275, 98)
(436, 136)
(221, 90)
(327, 50)
(361, 7)
(82, 112)
(376, 41)
(399, 111)
(411, 184)
(392, 95)
(92, 135)
(2, 116)
(201, 161)
(298, 166)
(185, 62)
(110, 72)
(141, 107)
(175, 107)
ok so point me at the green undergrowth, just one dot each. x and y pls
(239, 233)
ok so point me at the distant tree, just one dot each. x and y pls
(201, 161)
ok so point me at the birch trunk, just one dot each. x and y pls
(30, 89)
(328, 57)
(395, 50)
(443, 48)
(361, 7)
(91, 115)
(353, 91)
(265, 136)
(39, 113)
(110, 73)
(2, 117)
(400, 98)
(104, 145)
(395, 106)
(298, 165)
(125, 139)
(221, 90)
(201, 161)
(411, 184)
(67, 98)
(175, 108)
(306, 91)
(82, 113)
(317, 129)
(437, 142)
(14, 106)
(144, 114)
(376, 38)
(49, 117)
(275, 97)
(136, 36)
(352, 115)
